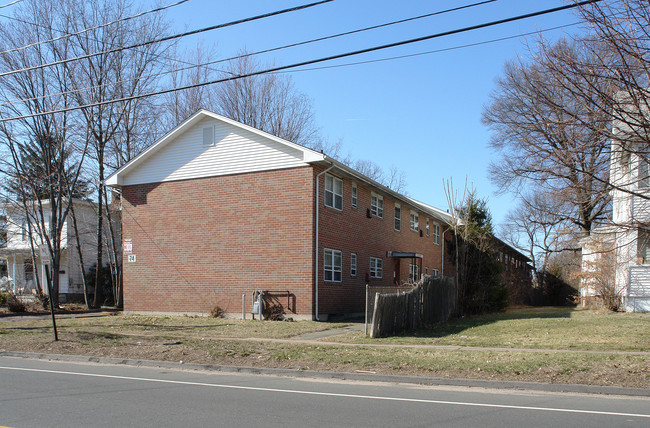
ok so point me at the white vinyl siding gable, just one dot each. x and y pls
(233, 150)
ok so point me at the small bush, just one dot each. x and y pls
(217, 312)
(15, 305)
(3, 298)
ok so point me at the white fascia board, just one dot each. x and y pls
(115, 179)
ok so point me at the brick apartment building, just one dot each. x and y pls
(217, 209)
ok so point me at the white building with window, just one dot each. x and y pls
(623, 245)
(26, 255)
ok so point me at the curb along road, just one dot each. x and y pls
(356, 376)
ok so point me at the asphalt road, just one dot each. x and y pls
(38, 393)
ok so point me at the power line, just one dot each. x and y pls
(314, 61)
(206, 64)
(167, 38)
(10, 3)
(452, 48)
(66, 35)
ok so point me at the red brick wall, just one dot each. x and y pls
(205, 242)
(351, 231)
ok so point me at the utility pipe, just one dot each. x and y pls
(316, 251)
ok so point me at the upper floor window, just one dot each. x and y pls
(333, 192)
(355, 195)
(376, 267)
(436, 233)
(332, 261)
(398, 217)
(427, 227)
(353, 264)
(415, 221)
(377, 205)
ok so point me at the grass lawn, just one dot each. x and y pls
(269, 344)
(540, 328)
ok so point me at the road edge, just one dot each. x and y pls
(365, 376)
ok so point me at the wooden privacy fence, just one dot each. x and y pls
(432, 300)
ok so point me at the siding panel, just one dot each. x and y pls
(236, 151)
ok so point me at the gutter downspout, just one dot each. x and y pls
(442, 243)
(316, 200)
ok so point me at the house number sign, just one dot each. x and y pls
(131, 258)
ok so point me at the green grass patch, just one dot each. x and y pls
(532, 328)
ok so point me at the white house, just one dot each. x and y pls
(23, 268)
(626, 241)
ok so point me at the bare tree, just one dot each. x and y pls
(37, 159)
(269, 102)
(111, 128)
(550, 140)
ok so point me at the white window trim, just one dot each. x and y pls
(378, 270)
(377, 205)
(414, 221)
(332, 191)
(414, 274)
(333, 269)
(435, 272)
(353, 264)
(427, 227)
(354, 196)
(436, 233)
(397, 219)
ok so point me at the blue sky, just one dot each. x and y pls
(420, 114)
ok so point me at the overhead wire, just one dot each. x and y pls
(10, 4)
(208, 63)
(451, 48)
(167, 38)
(76, 33)
(314, 61)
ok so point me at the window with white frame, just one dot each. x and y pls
(414, 272)
(333, 192)
(332, 261)
(436, 233)
(435, 272)
(427, 227)
(376, 267)
(426, 271)
(353, 264)
(415, 221)
(398, 217)
(377, 205)
(355, 195)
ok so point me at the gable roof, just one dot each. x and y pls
(300, 153)
(301, 156)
